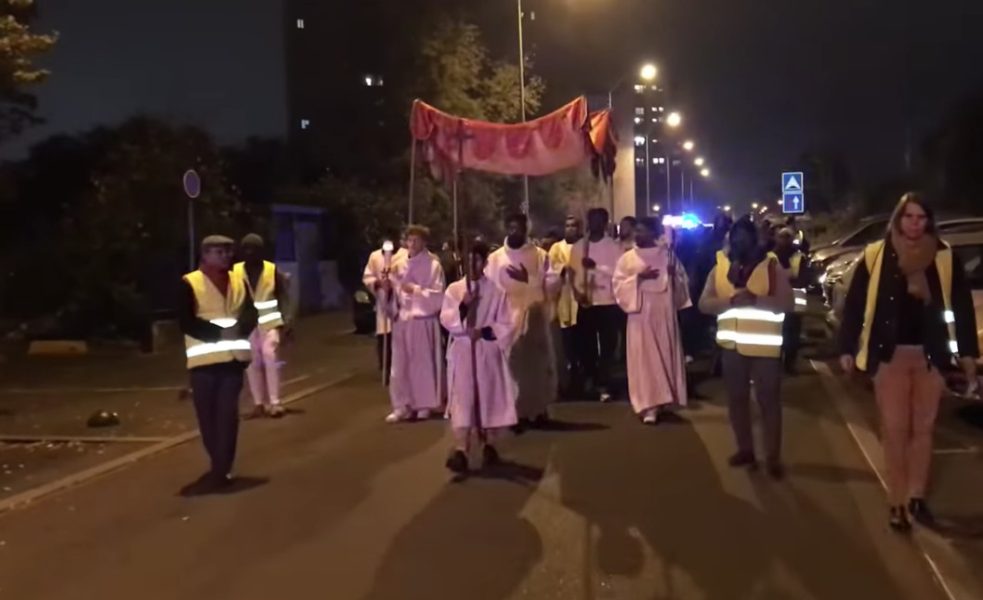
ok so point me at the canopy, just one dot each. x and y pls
(566, 138)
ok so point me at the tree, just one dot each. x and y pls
(951, 157)
(18, 48)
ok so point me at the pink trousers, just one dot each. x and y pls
(908, 391)
(264, 370)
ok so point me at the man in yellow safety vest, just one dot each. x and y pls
(217, 316)
(750, 298)
(268, 287)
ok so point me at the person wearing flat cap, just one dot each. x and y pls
(217, 316)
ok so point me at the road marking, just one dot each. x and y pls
(39, 391)
(950, 451)
(33, 495)
(871, 450)
(87, 439)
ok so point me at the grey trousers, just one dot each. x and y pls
(739, 371)
(216, 390)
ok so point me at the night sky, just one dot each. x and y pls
(759, 81)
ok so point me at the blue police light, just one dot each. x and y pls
(690, 221)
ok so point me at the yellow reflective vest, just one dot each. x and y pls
(264, 296)
(751, 331)
(874, 261)
(219, 309)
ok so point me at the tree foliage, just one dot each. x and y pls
(19, 47)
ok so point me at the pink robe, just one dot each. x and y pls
(532, 358)
(416, 376)
(656, 365)
(497, 390)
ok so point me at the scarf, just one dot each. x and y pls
(914, 258)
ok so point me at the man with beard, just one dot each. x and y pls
(522, 271)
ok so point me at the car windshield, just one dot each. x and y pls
(867, 234)
(962, 226)
(972, 259)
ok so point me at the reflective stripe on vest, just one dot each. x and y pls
(218, 309)
(874, 261)
(264, 296)
(750, 331)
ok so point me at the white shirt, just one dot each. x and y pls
(605, 253)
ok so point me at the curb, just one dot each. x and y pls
(33, 495)
(949, 569)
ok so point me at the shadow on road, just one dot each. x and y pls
(204, 487)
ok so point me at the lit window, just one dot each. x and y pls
(300, 23)
(639, 89)
(639, 140)
(372, 81)
(655, 88)
(639, 161)
(639, 110)
(655, 109)
(369, 80)
(638, 120)
(305, 124)
(662, 109)
(655, 120)
(655, 140)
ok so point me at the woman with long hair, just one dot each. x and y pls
(908, 316)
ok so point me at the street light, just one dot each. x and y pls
(674, 119)
(705, 172)
(754, 205)
(656, 208)
(648, 72)
(688, 145)
(727, 208)
(699, 161)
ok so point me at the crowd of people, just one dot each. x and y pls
(603, 314)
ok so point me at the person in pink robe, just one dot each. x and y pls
(417, 281)
(522, 272)
(650, 286)
(491, 332)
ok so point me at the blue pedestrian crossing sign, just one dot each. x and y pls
(793, 193)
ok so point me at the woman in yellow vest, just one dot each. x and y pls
(749, 296)
(908, 315)
(216, 315)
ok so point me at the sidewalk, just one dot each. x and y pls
(45, 403)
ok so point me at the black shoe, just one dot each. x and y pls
(541, 421)
(457, 462)
(743, 459)
(776, 470)
(520, 427)
(490, 457)
(898, 519)
(920, 513)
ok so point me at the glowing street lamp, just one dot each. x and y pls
(699, 161)
(648, 72)
(727, 208)
(688, 145)
(674, 119)
(754, 205)
(705, 172)
(656, 208)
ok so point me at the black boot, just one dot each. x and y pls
(898, 519)
(743, 459)
(490, 457)
(457, 462)
(920, 513)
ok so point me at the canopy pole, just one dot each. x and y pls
(409, 216)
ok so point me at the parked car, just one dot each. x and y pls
(967, 246)
(363, 311)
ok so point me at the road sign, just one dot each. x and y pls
(192, 183)
(793, 193)
(794, 203)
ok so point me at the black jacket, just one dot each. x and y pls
(884, 332)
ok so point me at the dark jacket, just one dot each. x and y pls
(884, 332)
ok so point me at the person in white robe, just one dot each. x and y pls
(377, 270)
(417, 283)
(481, 325)
(521, 270)
(650, 286)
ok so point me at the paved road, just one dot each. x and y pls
(342, 506)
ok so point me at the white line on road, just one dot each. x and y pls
(40, 391)
(33, 495)
(88, 439)
(870, 447)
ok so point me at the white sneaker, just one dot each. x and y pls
(651, 417)
(396, 416)
(422, 415)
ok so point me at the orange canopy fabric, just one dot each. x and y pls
(566, 138)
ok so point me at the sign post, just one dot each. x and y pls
(793, 193)
(192, 189)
